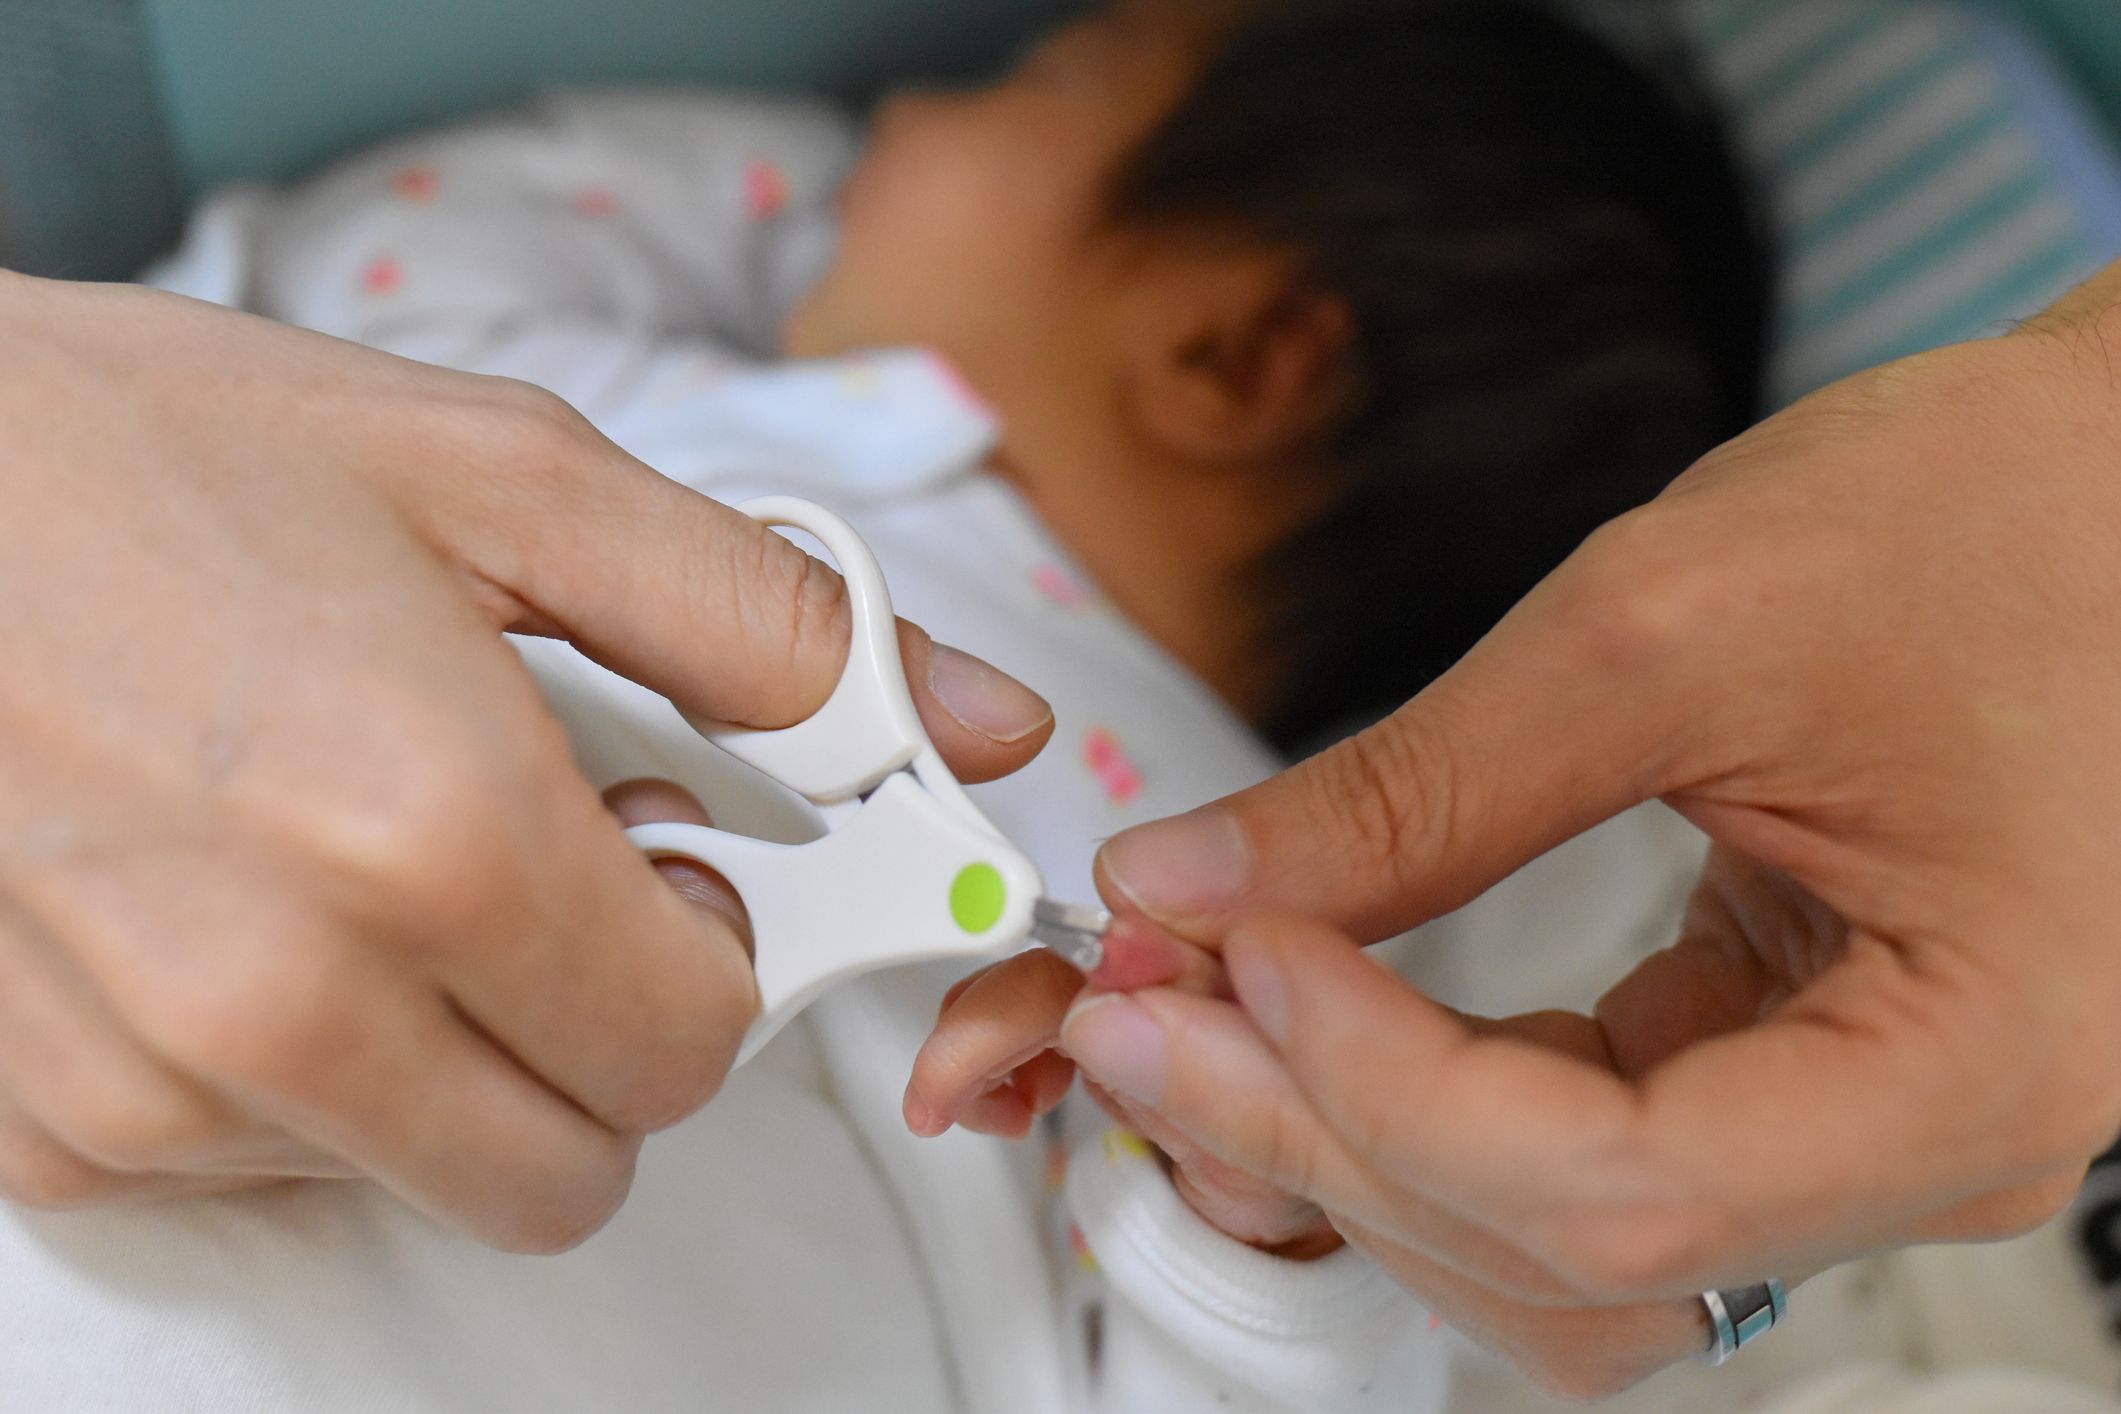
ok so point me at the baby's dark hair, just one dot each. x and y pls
(1560, 300)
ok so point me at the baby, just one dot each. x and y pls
(1240, 365)
(1353, 322)
(1316, 333)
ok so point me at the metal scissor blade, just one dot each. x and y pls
(1074, 931)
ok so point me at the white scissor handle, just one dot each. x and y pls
(868, 727)
(913, 872)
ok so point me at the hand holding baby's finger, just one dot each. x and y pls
(991, 1065)
(1217, 1086)
(1599, 1170)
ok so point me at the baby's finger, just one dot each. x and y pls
(1247, 1208)
(1009, 1108)
(957, 989)
(1000, 1113)
(1044, 1081)
(1003, 1018)
(1142, 953)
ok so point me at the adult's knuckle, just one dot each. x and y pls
(792, 614)
(672, 1085)
(129, 1132)
(44, 1187)
(685, 1043)
(1627, 1255)
(1383, 790)
(811, 597)
(1641, 587)
(268, 1019)
(421, 826)
(817, 599)
(1575, 1377)
(565, 1215)
(552, 1230)
(36, 1173)
(2061, 1111)
(2052, 1132)
(542, 432)
(2013, 1212)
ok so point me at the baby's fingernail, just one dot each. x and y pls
(919, 1118)
(1138, 953)
(1117, 1044)
(1188, 866)
(1257, 979)
(984, 699)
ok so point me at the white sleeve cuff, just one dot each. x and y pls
(1331, 1332)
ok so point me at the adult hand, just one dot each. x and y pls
(1871, 649)
(991, 1066)
(296, 874)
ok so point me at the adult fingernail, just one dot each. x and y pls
(1117, 1044)
(1257, 979)
(984, 699)
(1185, 867)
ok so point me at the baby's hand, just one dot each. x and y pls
(991, 1065)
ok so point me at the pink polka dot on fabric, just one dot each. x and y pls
(1061, 588)
(765, 189)
(417, 183)
(595, 203)
(1435, 1323)
(384, 275)
(1079, 1248)
(1108, 762)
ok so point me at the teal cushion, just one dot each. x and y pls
(2085, 35)
(257, 90)
(1933, 176)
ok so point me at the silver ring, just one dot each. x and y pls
(1742, 1315)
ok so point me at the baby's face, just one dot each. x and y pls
(974, 225)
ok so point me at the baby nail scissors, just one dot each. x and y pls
(907, 868)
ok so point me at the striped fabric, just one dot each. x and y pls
(1930, 176)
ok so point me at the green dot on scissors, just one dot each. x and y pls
(976, 897)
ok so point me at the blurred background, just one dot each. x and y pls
(1934, 166)
(113, 113)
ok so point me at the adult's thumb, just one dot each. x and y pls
(1555, 721)
(698, 601)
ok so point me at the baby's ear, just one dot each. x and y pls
(1237, 360)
